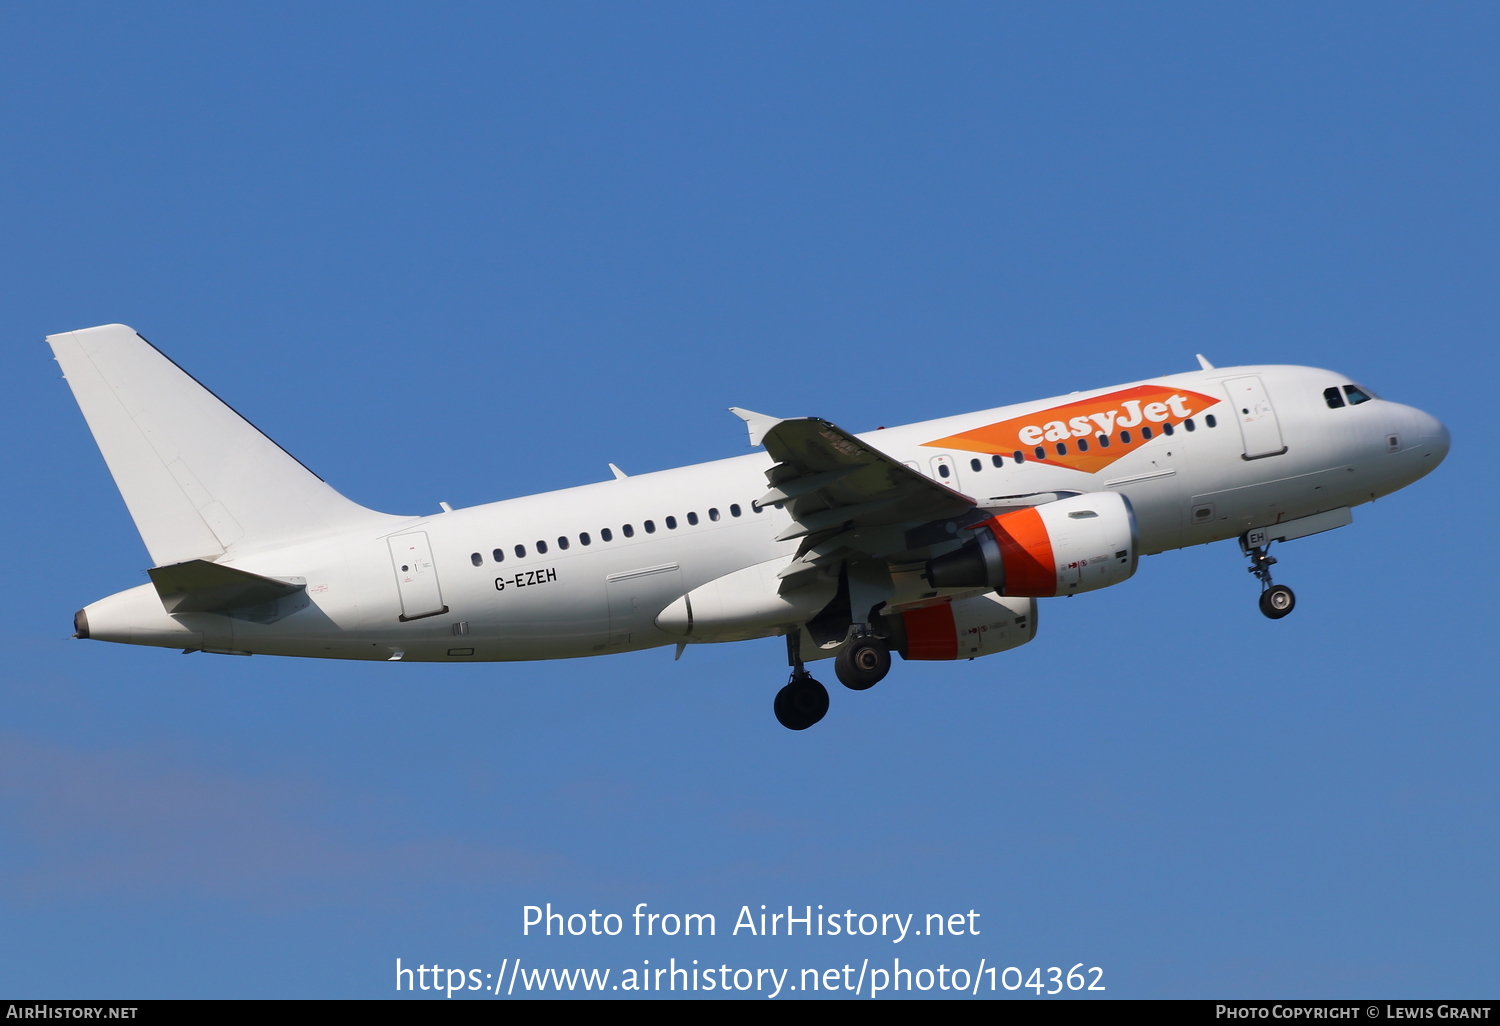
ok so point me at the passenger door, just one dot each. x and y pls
(416, 577)
(1259, 428)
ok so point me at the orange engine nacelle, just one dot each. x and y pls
(1059, 548)
(966, 628)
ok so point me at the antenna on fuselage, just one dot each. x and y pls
(1202, 362)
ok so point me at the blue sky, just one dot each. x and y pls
(462, 252)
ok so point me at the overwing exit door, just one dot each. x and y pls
(945, 471)
(1259, 428)
(416, 577)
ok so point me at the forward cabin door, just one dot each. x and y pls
(1258, 425)
(416, 577)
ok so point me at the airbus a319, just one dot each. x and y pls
(933, 540)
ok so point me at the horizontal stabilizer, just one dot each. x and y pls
(199, 586)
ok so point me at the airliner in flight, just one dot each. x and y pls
(933, 540)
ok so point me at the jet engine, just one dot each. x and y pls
(1073, 545)
(963, 628)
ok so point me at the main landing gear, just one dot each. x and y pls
(863, 663)
(803, 701)
(1276, 600)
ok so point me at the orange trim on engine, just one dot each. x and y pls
(1026, 551)
(930, 632)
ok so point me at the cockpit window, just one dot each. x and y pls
(1332, 398)
(1355, 395)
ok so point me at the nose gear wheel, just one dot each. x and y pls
(1276, 600)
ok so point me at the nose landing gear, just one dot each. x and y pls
(1276, 600)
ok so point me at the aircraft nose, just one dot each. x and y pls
(1432, 435)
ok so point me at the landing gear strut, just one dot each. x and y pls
(803, 701)
(1276, 600)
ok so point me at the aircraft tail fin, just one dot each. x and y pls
(200, 481)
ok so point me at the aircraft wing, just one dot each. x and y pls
(845, 497)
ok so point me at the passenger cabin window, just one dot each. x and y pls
(671, 523)
(998, 460)
(1355, 395)
(692, 519)
(476, 559)
(1168, 429)
(1190, 425)
(713, 514)
(584, 539)
(1104, 441)
(628, 531)
(1211, 421)
(1062, 448)
(976, 465)
(734, 509)
(562, 542)
(1083, 445)
(1124, 437)
(650, 526)
(607, 534)
(1018, 456)
(1041, 453)
(520, 552)
(1145, 434)
(1332, 398)
(541, 548)
(499, 555)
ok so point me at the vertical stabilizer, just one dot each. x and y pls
(200, 481)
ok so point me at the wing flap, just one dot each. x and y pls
(832, 482)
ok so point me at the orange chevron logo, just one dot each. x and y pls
(1090, 434)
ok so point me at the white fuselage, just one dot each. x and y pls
(566, 598)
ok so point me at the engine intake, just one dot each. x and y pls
(1077, 544)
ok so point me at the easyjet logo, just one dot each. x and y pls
(1090, 434)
